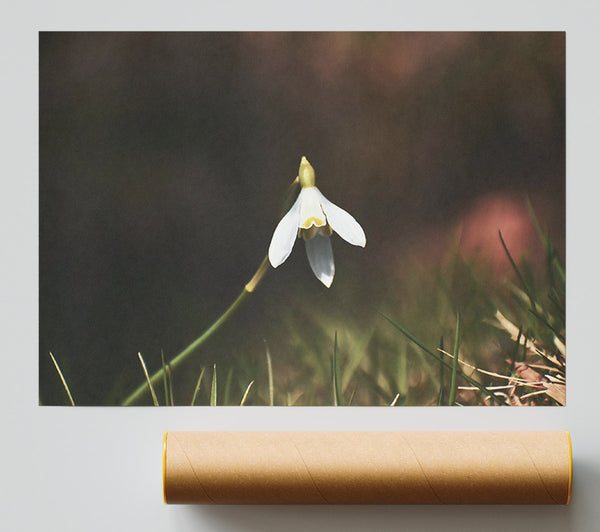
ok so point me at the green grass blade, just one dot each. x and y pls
(545, 322)
(338, 399)
(441, 394)
(547, 241)
(154, 399)
(213, 387)
(270, 375)
(524, 346)
(536, 310)
(555, 298)
(454, 362)
(515, 357)
(402, 384)
(197, 389)
(517, 271)
(559, 267)
(164, 370)
(432, 354)
(536, 222)
(243, 401)
(354, 356)
(373, 386)
(352, 396)
(62, 378)
(170, 383)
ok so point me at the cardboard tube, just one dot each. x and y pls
(367, 467)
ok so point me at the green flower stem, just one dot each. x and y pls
(248, 289)
(290, 197)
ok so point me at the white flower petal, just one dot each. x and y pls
(285, 235)
(320, 257)
(343, 223)
(311, 212)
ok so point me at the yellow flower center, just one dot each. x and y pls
(313, 220)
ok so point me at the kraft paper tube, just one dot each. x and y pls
(367, 467)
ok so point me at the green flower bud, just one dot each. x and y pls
(306, 174)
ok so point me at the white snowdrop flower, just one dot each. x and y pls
(313, 217)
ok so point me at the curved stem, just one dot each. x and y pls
(290, 197)
(248, 289)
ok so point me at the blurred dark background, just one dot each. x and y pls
(164, 158)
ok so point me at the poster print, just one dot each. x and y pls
(350, 219)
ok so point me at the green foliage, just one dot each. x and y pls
(455, 362)
(338, 396)
(508, 349)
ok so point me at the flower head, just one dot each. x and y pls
(314, 218)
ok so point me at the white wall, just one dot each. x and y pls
(89, 469)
